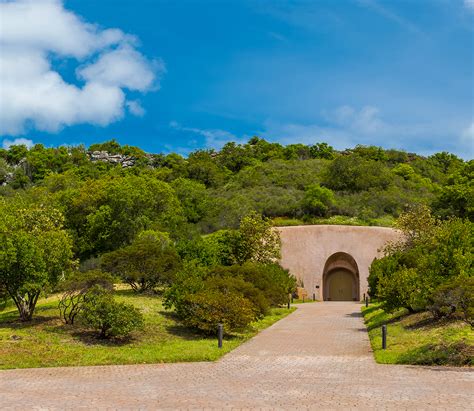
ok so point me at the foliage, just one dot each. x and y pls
(419, 338)
(36, 251)
(163, 339)
(101, 312)
(208, 308)
(258, 241)
(76, 290)
(318, 200)
(108, 213)
(430, 253)
(454, 297)
(149, 261)
(260, 286)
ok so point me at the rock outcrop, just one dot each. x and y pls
(104, 156)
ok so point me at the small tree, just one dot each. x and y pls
(317, 200)
(208, 308)
(35, 252)
(76, 290)
(258, 241)
(149, 261)
(110, 318)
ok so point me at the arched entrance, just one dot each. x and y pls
(341, 278)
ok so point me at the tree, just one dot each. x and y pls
(109, 317)
(317, 200)
(193, 197)
(76, 290)
(109, 212)
(322, 150)
(258, 241)
(35, 252)
(151, 260)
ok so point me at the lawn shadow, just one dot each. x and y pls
(371, 309)
(91, 338)
(455, 354)
(17, 324)
(392, 320)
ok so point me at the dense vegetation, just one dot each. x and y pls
(198, 228)
(424, 285)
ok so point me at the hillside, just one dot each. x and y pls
(109, 192)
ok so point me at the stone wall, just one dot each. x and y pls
(306, 249)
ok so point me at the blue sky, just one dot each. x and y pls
(181, 75)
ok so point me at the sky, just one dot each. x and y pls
(180, 75)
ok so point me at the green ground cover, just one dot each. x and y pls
(418, 338)
(383, 221)
(47, 342)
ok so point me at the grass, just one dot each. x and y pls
(384, 221)
(305, 301)
(47, 342)
(418, 338)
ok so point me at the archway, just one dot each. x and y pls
(341, 278)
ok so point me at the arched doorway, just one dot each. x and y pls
(341, 278)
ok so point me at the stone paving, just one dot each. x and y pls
(317, 358)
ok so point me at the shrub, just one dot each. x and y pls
(149, 261)
(76, 289)
(455, 297)
(110, 318)
(317, 200)
(207, 308)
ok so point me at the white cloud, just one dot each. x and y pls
(469, 4)
(135, 108)
(17, 142)
(366, 120)
(213, 138)
(346, 126)
(33, 93)
(467, 139)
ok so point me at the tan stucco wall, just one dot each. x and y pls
(305, 250)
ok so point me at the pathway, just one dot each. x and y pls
(317, 358)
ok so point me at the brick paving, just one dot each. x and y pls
(317, 358)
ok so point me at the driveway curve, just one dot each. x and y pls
(319, 357)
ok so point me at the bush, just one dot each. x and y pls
(110, 318)
(317, 200)
(151, 260)
(76, 289)
(207, 308)
(455, 297)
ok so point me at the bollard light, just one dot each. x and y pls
(366, 301)
(384, 337)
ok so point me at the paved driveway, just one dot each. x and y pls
(318, 357)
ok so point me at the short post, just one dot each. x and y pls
(303, 298)
(366, 301)
(384, 337)
(220, 335)
(314, 297)
(288, 304)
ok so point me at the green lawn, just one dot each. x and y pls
(418, 338)
(48, 342)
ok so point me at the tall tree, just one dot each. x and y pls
(35, 251)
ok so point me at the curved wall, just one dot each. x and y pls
(305, 250)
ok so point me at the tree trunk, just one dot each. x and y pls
(25, 304)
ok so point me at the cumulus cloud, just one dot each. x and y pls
(213, 138)
(6, 144)
(347, 126)
(469, 4)
(34, 94)
(135, 108)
